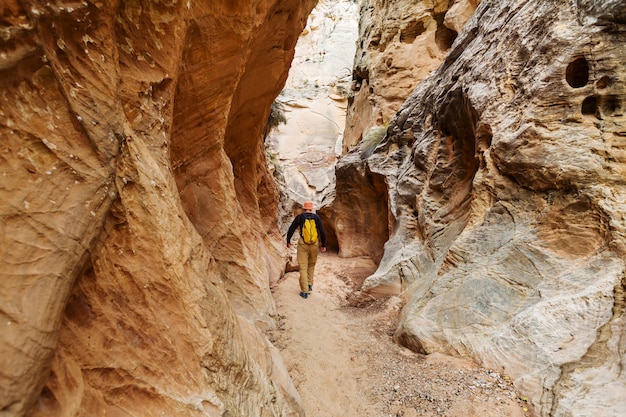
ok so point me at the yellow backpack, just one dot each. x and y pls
(309, 230)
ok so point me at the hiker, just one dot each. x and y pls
(311, 228)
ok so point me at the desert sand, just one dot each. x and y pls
(344, 362)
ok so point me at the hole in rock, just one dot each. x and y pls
(412, 31)
(603, 82)
(359, 75)
(610, 105)
(47, 403)
(577, 73)
(457, 153)
(484, 137)
(589, 106)
(375, 41)
(444, 37)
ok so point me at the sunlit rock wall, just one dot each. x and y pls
(138, 236)
(400, 43)
(304, 148)
(506, 174)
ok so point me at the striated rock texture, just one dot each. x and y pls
(506, 178)
(303, 150)
(400, 43)
(138, 233)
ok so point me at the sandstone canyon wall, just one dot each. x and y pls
(132, 282)
(304, 149)
(400, 43)
(504, 176)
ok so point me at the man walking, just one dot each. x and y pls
(311, 234)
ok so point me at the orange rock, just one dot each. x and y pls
(138, 216)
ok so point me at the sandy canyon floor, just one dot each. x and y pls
(344, 363)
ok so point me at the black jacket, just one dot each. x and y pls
(299, 221)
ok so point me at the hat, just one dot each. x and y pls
(308, 205)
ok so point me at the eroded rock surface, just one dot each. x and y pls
(135, 276)
(400, 43)
(506, 174)
(305, 147)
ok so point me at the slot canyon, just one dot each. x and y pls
(153, 153)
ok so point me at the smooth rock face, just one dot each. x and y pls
(400, 43)
(506, 174)
(138, 235)
(360, 215)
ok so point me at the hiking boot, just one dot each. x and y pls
(310, 288)
(304, 295)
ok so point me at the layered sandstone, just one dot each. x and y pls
(305, 147)
(133, 281)
(400, 43)
(505, 174)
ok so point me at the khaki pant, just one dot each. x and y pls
(307, 256)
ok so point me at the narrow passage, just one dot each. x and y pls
(344, 363)
(321, 342)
